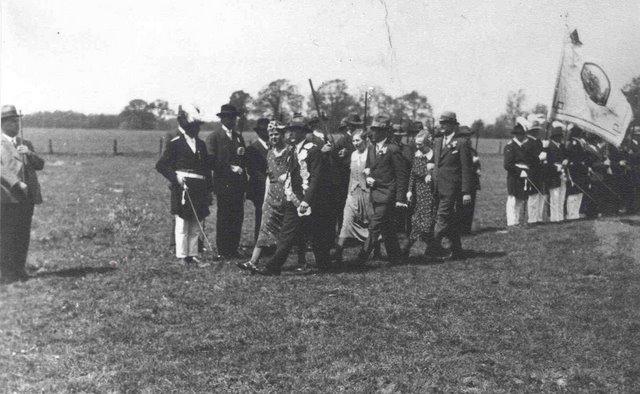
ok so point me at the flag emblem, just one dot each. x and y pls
(596, 83)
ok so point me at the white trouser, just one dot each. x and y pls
(514, 209)
(556, 200)
(573, 206)
(535, 208)
(186, 233)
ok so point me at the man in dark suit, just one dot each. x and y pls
(229, 181)
(517, 167)
(385, 171)
(307, 167)
(20, 191)
(257, 170)
(468, 210)
(453, 180)
(535, 186)
(186, 164)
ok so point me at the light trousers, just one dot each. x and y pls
(556, 201)
(186, 233)
(514, 210)
(573, 206)
(535, 208)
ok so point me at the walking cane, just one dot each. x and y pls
(195, 214)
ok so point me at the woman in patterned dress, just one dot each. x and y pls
(272, 209)
(420, 192)
(357, 209)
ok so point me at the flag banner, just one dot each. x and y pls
(586, 97)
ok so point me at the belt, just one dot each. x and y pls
(186, 174)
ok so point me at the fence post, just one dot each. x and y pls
(115, 147)
(500, 148)
(161, 145)
(50, 147)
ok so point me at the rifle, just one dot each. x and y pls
(24, 157)
(366, 101)
(328, 136)
(477, 138)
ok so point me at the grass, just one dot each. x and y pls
(548, 308)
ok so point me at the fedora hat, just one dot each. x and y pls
(449, 117)
(398, 129)
(9, 111)
(354, 120)
(465, 131)
(298, 122)
(261, 124)
(228, 110)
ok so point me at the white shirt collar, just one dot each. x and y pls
(191, 141)
(10, 139)
(517, 142)
(299, 145)
(227, 131)
(447, 139)
(380, 144)
(318, 134)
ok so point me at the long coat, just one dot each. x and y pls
(14, 170)
(226, 152)
(256, 159)
(179, 157)
(553, 169)
(389, 172)
(453, 173)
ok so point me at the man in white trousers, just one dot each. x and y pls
(515, 163)
(577, 172)
(554, 167)
(534, 182)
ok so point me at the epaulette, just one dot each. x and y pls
(177, 137)
(308, 145)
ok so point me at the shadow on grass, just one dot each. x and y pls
(75, 272)
(485, 230)
(631, 222)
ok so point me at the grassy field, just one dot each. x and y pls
(555, 307)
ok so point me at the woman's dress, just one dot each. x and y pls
(421, 186)
(358, 208)
(273, 207)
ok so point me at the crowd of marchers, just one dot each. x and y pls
(569, 175)
(383, 183)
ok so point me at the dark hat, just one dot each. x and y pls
(518, 129)
(380, 122)
(9, 111)
(261, 124)
(228, 110)
(417, 125)
(297, 122)
(354, 120)
(398, 129)
(315, 120)
(449, 117)
(557, 129)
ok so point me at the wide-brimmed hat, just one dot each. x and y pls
(228, 110)
(261, 124)
(398, 129)
(449, 117)
(557, 129)
(9, 111)
(380, 122)
(276, 125)
(354, 120)
(465, 131)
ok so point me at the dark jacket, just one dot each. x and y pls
(533, 148)
(310, 181)
(14, 170)
(389, 171)
(515, 154)
(553, 167)
(340, 165)
(453, 173)
(179, 157)
(226, 152)
(256, 159)
(577, 168)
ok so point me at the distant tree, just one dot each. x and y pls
(540, 109)
(514, 106)
(243, 103)
(477, 127)
(334, 101)
(279, 97)
(413, 106)
(137, 115)
(632, 92)
(379, 103)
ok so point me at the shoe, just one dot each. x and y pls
(245, 265)
(198, 263)
(454, 255)
(265, 271)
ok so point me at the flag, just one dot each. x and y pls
(587, 97)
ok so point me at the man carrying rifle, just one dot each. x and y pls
(554, 170)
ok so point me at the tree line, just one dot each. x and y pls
(281, 98)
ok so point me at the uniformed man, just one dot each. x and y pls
(187, 166)
(534, 182)
(303, 197)
(516, 163)
(554, 169)
(577, 172)
(20, 193)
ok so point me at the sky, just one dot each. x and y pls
(466, 56)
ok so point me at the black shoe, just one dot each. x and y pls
(454, 255)
(245, 265)
(266, 271)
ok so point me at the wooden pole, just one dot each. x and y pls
(500, 147)
(115, 147)
(161, 146)
(50, 146)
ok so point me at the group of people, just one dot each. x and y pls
(391, 184)
(570, 174)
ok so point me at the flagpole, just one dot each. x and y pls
(552, 111)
